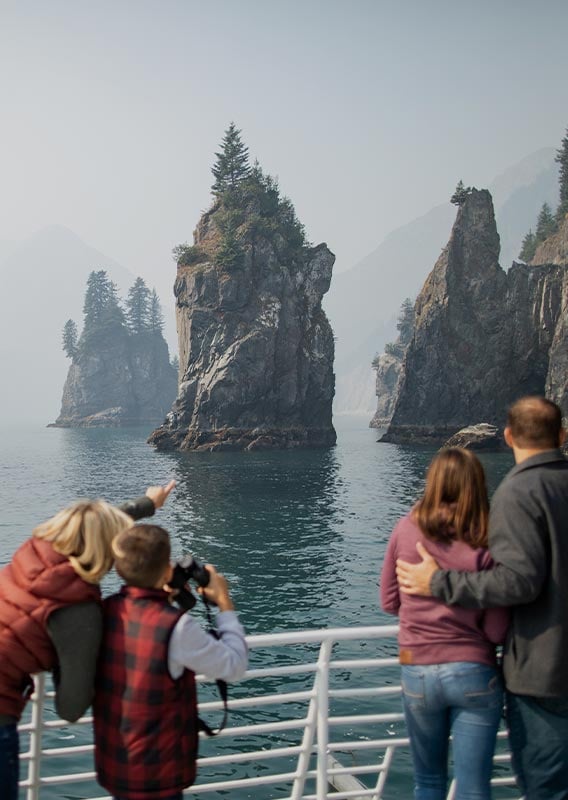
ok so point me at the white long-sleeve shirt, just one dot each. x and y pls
(191, 647)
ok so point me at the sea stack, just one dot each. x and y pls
(256, 349)
(120, 371)
(482, 337)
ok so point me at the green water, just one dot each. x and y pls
(300, 535)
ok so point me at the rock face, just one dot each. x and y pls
(388, 373)
(118, 380)
(256, 349)
(482, 337)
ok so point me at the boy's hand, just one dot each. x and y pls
(217, 590)
(159, 494)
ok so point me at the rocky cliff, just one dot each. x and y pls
(119, 379)
(388, 370)
(256, 349)
(482, 337)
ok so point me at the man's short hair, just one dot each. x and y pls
(142, 553)
(535, 422)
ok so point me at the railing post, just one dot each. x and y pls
(34, 768)
(307, 744)
(322, 689)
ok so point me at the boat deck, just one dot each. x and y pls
(318, 713)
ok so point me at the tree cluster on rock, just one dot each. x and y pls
(120, 371)
(546, 225)
(388, 366)
(103, 313)
(548, 221)
(461, 194)
(404, 326)
(247, 205)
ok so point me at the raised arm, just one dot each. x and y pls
(146, 505)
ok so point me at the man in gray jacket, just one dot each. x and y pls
(528, 539)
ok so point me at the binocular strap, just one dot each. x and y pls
(221, 685)
(203, 726)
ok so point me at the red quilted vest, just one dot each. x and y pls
(37, 582)
(145, 722)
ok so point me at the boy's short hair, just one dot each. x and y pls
(142, 553)
(535, 422)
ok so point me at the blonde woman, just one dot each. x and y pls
(50, 613)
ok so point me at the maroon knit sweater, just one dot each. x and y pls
(431, 632)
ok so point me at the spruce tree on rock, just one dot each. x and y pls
(562, 159)
(460, 195)
(70, 338)
(546, 224)
(528, 247)
(138, 307)
(102, 306)
(232, 166)
(405, 327)
(405, 322)
(156, 318)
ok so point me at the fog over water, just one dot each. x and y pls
(368, 111)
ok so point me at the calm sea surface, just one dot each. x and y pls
(300, 535)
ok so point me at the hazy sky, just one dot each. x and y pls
(368, 111)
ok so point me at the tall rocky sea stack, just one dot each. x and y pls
(120, 371)
(256, 349)
(482, 337)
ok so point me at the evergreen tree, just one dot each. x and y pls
(70, 338)
(232, 166)
(546, 224)
(562, 159)
(156, 319)
(101, 306)
(460, 195)
(405, 327)
(528, 247)
(405, 322)
(138, 305)
(175, 362)
(230, 254)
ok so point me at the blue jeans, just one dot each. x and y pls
(9, 761)
(460, 698)
(538, 735)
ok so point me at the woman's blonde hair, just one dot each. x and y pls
(454, 504)
(84, 532)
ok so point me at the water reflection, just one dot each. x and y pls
(270, 523)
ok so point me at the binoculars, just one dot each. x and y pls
(187, 569)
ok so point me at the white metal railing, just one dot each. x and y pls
(316, 724)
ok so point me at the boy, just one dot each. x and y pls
(145, 709)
